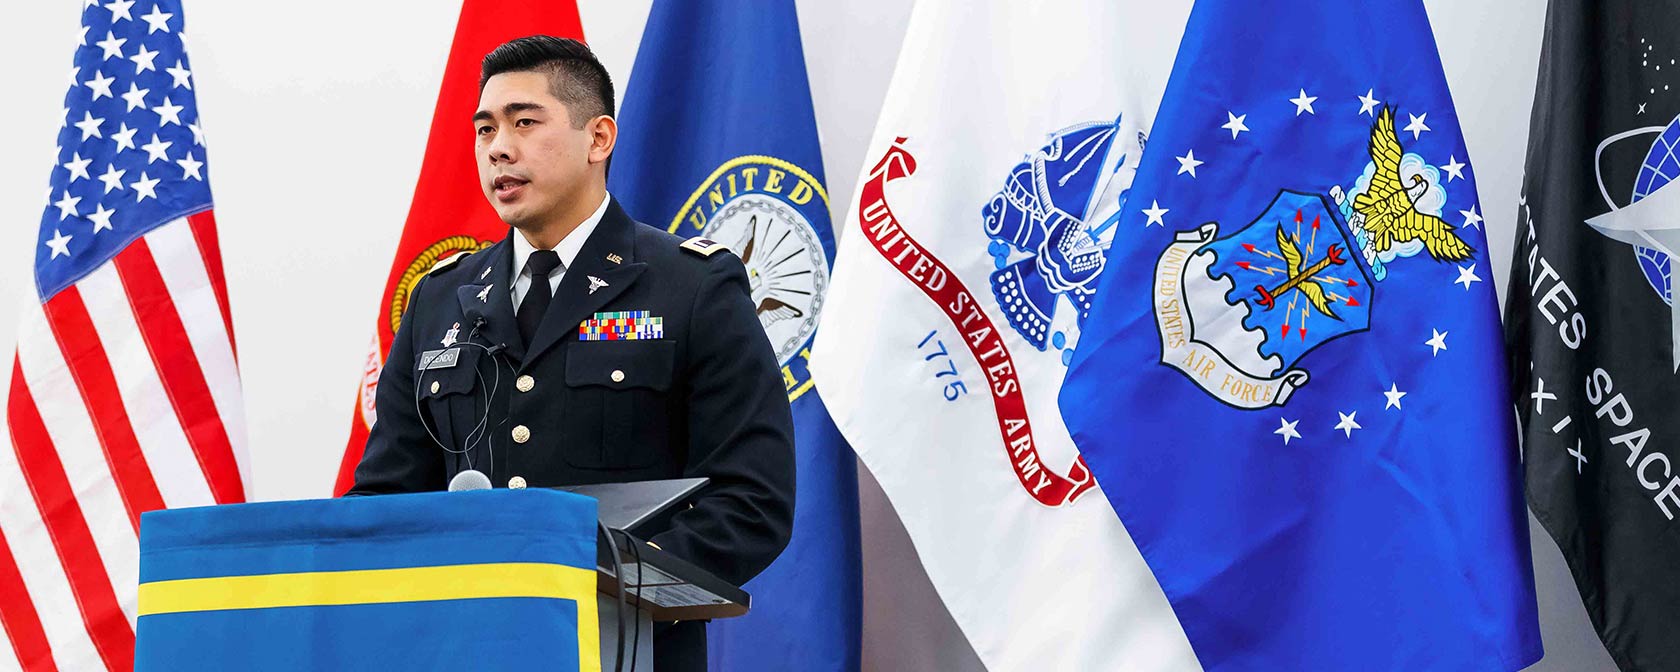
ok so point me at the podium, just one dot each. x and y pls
(484, 580)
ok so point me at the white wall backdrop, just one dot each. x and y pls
(317, 112)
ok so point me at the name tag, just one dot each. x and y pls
(439, 359)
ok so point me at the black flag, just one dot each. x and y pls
(1591, 319)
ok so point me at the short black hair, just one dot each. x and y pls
(575, 76)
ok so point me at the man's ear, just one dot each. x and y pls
(603, 137)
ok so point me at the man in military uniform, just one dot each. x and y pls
(586, 347)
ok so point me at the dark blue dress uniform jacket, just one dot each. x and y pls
(707, 399)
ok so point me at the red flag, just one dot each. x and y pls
(449, 213)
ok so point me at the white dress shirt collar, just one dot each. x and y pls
(568, 250)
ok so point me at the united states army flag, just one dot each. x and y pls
(967, 262)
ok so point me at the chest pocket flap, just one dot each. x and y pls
(620, 365)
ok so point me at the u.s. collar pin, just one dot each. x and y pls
(486, 272)
(614, 258)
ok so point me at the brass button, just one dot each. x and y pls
(516, 483)
(617, 376)
(435, 387)
(525, 383)
(521, 434)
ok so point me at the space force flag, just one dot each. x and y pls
(1291, 385)
(485, 580)
(1590, 317)
(738, 161)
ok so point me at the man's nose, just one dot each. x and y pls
(501, 149)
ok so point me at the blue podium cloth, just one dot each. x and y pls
(491, 580)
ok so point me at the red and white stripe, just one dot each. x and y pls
(124, 398)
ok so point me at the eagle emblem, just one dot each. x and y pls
(770, 309)
(1388, 207)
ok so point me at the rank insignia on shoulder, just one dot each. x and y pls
(446, 262)
(704, 247)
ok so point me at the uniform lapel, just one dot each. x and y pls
(579, 296)
(489, 297)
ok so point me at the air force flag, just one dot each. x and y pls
(720, 141)
(1291, 384)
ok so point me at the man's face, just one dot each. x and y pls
(532, 163)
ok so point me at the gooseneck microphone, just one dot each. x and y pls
(471, 479)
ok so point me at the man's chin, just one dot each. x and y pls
(517, 218)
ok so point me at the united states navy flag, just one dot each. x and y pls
(719, 140)
(1291, 385)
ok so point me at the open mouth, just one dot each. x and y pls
(508, 187)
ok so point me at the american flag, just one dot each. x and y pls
(125, 393)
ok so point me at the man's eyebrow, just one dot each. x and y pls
(508, 110)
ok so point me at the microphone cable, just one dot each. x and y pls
(618, 574)
(635, 550)
(480, 429)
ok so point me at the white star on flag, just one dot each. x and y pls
(1155, 211)
(112, 45)
(1188, 163)
(143, 60)
(145, 187)
(67, 205)
(124, 137)
(1454, 169)
(136, 97)
(89, 126)
(1235, 125)
(1286, 429)
(1394, 394)
(1471, 218)
(100, 85)
(60, 245)
(1417, 127)
(157, 20)
(1303, 103)
(119, 10)
(182, 76)
(189, 167)
(1438, 342)
(1347, 424)
(112, 178)
(1467, 275)
(1368, 103)
(168, 113)
(78, 167)
(101, 218)
(156, 150)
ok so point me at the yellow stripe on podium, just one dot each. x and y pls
(385, 586)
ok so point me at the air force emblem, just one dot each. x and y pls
(1237, 314)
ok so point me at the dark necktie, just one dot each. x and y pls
(541, 263)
